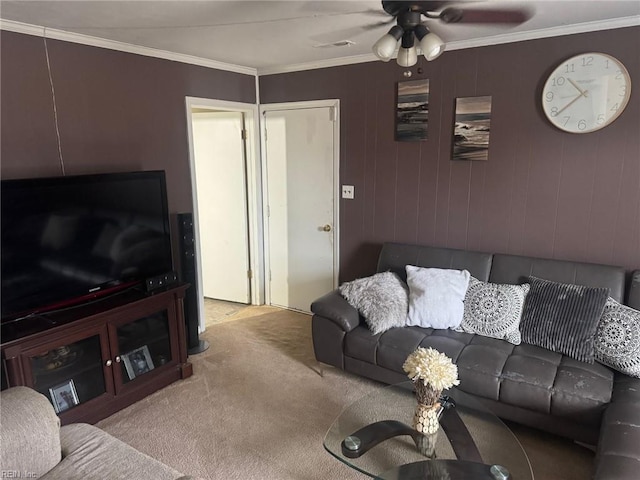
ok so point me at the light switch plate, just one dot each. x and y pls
(348, 191)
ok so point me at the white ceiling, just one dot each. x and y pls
(272, 36)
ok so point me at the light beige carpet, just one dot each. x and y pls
(257, 408)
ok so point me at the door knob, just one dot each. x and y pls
(327, 228)
(108, 363)
(118, 359)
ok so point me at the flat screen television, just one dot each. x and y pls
(67, 240)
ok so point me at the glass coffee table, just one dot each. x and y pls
(373, 435)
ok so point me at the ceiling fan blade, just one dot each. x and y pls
(348, 33)
(382, 23)
(472, 15)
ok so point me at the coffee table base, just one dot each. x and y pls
(363, 440)
(449, 469)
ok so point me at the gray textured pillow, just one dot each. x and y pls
(563, 317)
(494, 310)
(382, 299)
(617, 341)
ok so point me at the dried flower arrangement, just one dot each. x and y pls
(431, 372)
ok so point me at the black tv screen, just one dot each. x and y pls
(69, 239)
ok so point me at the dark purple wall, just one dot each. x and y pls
(543, 192)
(116, 111)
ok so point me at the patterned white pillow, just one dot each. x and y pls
(617, 340)
(494, 310)
(382, 299)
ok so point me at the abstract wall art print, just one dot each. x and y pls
(472, 128)
(412, 110)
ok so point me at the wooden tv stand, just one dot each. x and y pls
(95, 359)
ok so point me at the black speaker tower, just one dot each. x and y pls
(188, 274)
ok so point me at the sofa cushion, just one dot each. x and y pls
(30, 433)
(617, 340)
(494, 310)
(517, 269)
(92, 454)
(395, 345)
(382, 299)
(563, 317)
(525, 376)
(634, 291)
(394, 257)
(436, 296)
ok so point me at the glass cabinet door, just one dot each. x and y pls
(144, 345)
(69, 375)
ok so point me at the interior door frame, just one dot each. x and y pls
(264, 108)
(254, 194)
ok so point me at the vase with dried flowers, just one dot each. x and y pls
(431, 372)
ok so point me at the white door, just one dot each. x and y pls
(300, 162)
(219, 154)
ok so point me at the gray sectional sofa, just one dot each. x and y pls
(590, 403)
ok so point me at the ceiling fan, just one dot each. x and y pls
(411, 27)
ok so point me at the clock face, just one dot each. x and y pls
(586, 92)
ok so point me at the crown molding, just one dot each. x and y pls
(40, 31)
(332, 62)
(585, 27)
(55, 34)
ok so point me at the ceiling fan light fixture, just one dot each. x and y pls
(407, 57)
(431, 44)
(385, 47)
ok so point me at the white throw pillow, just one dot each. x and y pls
(617, 341)
(382, 299)
(494, 310)
(436, 296)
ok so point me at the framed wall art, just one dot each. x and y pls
(471, 129)
(412, 110)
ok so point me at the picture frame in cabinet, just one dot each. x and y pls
(137, 362)
(64, 396)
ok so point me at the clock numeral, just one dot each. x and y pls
(606, 64)
(588, 61)
(615, 107)
(619, 75)
(566, 120)
(600, 119)
(570, 68)
(558, 81)
(554, 111)
(582, 124)
(624, 91)
(549, 96)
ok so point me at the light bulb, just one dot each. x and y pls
(432, 46)
(407, 57)
(386, 46)
(430, 43)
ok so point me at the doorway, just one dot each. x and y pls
(301, 147)
(224, 161)
(221, 190)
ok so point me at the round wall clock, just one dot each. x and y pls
(586, 93)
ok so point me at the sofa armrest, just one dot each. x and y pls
(334, 307)
(618, 455)
(30, 433)
(90, 453)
